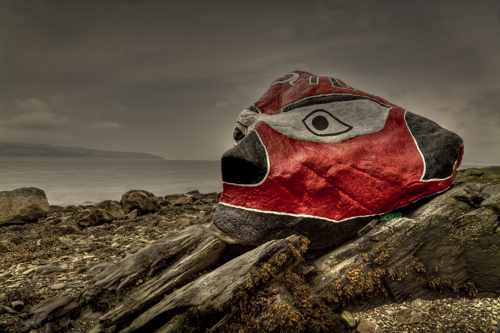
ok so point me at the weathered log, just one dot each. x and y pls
(214, 291)
(442, 247)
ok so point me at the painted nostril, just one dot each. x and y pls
(238, 134)
(245, 163)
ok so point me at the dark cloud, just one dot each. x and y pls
(169, 78)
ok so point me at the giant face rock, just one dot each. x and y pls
(317, 157)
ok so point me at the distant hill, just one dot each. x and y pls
(12, 149)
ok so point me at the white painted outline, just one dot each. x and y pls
(311, 77)
(324, 218)
(423, 158)
(291, 81)
(267, 160)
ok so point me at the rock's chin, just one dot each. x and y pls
(251, 227)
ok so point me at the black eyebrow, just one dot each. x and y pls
(323, 99)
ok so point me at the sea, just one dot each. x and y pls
(90, 181)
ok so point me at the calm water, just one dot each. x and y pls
(85, 181)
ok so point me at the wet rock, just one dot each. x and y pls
(65, 240)
(113, 207)
(9, 310)
(47, 269)
(143, 201)
(410, 316)
(193, 192)
(23, 205)
(93, 217)
(180, 201)
(181, 223)
(366, 326)
(132, 215)
(422, 305)
(50, 328)
(17, 305)
(347, 319)
(58, 286)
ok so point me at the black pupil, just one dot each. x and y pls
(320, 123)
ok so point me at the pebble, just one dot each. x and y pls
(445, 316)
(17, 305)
(58, 286)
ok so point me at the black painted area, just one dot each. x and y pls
(255, 228)
(237, 134)
(253, 108)
(324, 99)
(320, 123)
(245, 163)
(439, 147)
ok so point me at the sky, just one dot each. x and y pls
(170, 77)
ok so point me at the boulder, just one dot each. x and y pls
(447, 246)
(93, 217)
(112, 207)
(178, 201)
(23, 205)
(317, 157)
(366, 326)
(143, 201)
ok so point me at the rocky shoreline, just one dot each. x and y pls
(63, 254)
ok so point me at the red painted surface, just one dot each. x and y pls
(365, 175)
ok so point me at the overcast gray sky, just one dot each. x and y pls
(170, 77)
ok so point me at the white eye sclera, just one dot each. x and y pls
(323, 123)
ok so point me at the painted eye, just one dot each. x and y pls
(323, 123)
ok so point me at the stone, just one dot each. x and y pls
(366, 326)
(17, 305)
(178, 201)
(50, 328)
(65, 240)
(58, 286)
(131, 215)
(40, 262)
(422, 305)
(46, 269)
(23, 205)
(143, 201)
(181, 223)
(9, 310)
(410, 316)
(113, 207)
(93, 217)
(317, 157)
(193, 192)
(347, 319)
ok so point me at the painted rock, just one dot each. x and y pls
(317, 157)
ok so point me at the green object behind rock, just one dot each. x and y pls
(390, 216)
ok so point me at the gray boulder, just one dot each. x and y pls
(23, 205)
(143, 201)
(93, 217)
(112, 207)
